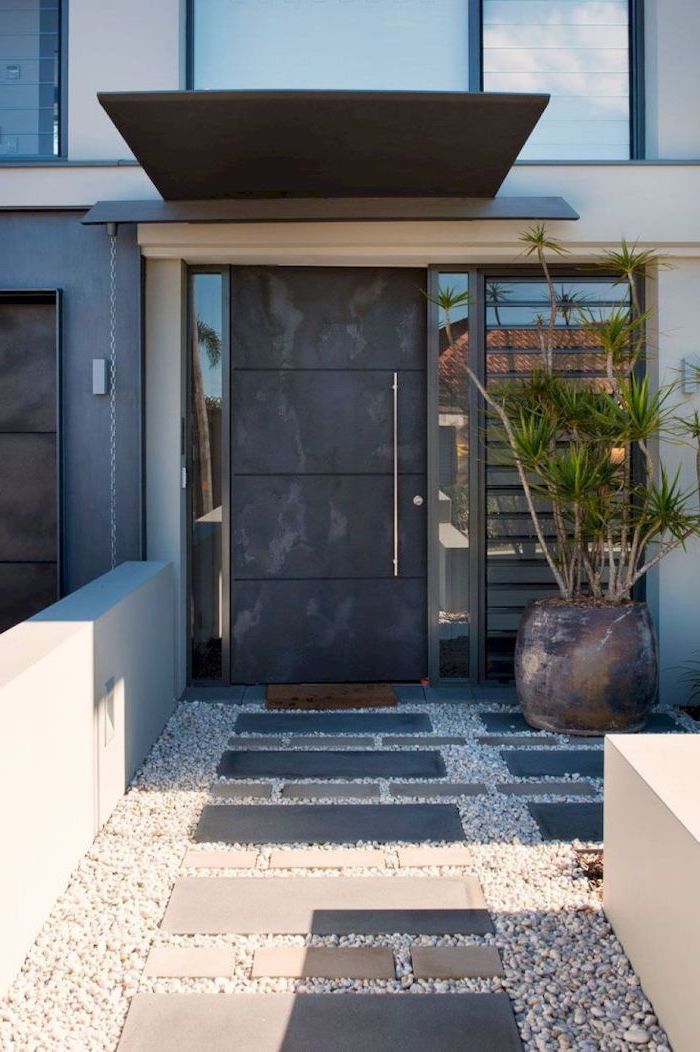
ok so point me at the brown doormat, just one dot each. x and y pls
(330, 696)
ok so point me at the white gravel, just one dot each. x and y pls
(569, 980)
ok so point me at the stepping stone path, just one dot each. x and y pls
(456, 962)
(547, 789)
(528, 763)
(426, 789)
(333, 723)
(330, 790)
(339, 904)
(324, 962)
(342, 763)
(303, 905)
(568, 821)
(241, 791)
(335, 858)
(328, 823)
(308, 1022)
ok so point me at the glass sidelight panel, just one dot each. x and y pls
(516, 571)
(206, 453)
(453, 477)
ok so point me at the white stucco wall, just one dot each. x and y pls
(85, 689)
(672, 75)
(124, 46)
(652, 870)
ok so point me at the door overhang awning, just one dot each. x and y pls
(209, 145)
(294, 156)
(332, 210)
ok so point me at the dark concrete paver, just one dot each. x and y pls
(546, 789)
(328, 823)
(240, 791)
(333, 723)
(301, 905)
(338, 763)
(330, 791)
(568, 821)
(532, 763)
(424, 789)
(350, 1022)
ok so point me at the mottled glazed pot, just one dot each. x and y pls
(584, 669)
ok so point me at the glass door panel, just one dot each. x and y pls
(453, 477)
(206, 452)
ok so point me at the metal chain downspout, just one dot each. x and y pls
(112, 232)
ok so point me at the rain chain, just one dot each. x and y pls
(112, 232)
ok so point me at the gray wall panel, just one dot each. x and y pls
(52, 250)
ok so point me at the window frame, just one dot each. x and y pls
(40, 160)
(477, 275)
(637, 110)
(476, 77)
(224, 271)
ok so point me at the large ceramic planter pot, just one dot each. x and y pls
(586, 669)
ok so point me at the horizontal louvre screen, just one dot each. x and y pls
(29, 78)
(516, 570)
(578, 51)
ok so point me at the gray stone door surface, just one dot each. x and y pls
(28, 461)
(313, 592)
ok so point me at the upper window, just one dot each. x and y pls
(30, 41)
(408, 45)
(578, 51)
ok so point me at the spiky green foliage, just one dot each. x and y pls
(583, 447)
(210, 340)
(537, 241)
(450, 299)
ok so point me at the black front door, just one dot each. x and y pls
(315, 526)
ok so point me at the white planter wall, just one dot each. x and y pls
(85, 689)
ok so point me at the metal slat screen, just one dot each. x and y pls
(578, 51)
(516, 571)
(30, 45)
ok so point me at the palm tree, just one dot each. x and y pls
(496, 293)
(204, 338)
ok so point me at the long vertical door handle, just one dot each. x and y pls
(395, 389)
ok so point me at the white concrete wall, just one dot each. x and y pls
(166, 534)
(124, 46)
(652, 871)
(85, 689)
(613, 201)
(672, 74)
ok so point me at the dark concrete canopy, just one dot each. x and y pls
(207, 145)
(333, 210)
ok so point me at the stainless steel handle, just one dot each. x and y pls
(395, 389)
